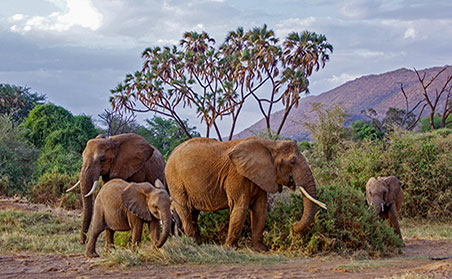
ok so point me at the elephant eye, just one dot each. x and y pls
(102, 159)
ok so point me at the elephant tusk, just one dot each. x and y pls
(319, 203)
(73, 187)
(92, 189)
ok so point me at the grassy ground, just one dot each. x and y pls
(426, 229)
(43, 232)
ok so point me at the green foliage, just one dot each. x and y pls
(304, 145)
(348, 225)
(42, 121)
(165, 134)
(420, 161)
(215, 82)
(60, 136)
(18, 101)
(213, 227)
(328, 131)
(398, 118)
(50, 189)
(17, 158)
(364, 130)
(424, 123)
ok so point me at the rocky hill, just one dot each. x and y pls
(379, 92)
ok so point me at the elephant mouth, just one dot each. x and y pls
(292, 184)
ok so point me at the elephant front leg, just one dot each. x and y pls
(394, 221)
(137, 230)
(258, 215)
(236, 221)
(154, 230)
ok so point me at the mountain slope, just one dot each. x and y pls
(379, 92)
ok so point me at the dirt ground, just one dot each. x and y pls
(415, 260)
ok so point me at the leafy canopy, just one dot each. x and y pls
(18, 101)
(165, 134)
(217, 81)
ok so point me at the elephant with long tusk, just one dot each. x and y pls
(126, 156)
(207, 175)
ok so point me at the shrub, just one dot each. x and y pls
(50, 189)
(420, 161)
(348, 225)
(213, 227)
(16, 158)
(58, 159)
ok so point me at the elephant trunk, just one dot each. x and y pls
(87, 178)
(309, 208)
(166, 221)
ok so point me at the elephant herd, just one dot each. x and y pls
(201, 174)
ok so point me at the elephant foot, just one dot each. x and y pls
(82, 238)
(91, 254)
(259, 247)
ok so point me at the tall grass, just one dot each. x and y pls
(182, 250)
(39, 232)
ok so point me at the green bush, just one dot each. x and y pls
(58, 159)
(348, 225)
(420, 160)
(213, 227)
(17, 158)
(51, 188)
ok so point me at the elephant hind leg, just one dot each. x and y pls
(109, 238)
(258, 215)
(189, 219)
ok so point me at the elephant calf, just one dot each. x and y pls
(386, 196)
(123, 206)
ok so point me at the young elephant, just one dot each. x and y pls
(123, 206)
(386, 196)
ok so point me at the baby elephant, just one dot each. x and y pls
(123, 206)
(386, 196)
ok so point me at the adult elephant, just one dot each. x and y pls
(126, 156)
(207, 175)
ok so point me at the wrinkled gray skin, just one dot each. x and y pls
(123, 206)
(207, 175)
(385, 195)
(126, 156)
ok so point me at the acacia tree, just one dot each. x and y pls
(18, 101)
(217, 81)
(116, 123)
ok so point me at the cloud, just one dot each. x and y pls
(340, 79)
(79, 13)
(410, 33)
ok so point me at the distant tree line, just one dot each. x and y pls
(41, 143)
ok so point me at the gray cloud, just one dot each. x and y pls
(77, 68)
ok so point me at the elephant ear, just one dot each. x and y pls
(133, 152)
(134, 199)
(393, 184)
(253, 160)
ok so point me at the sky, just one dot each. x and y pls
(76, 51)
